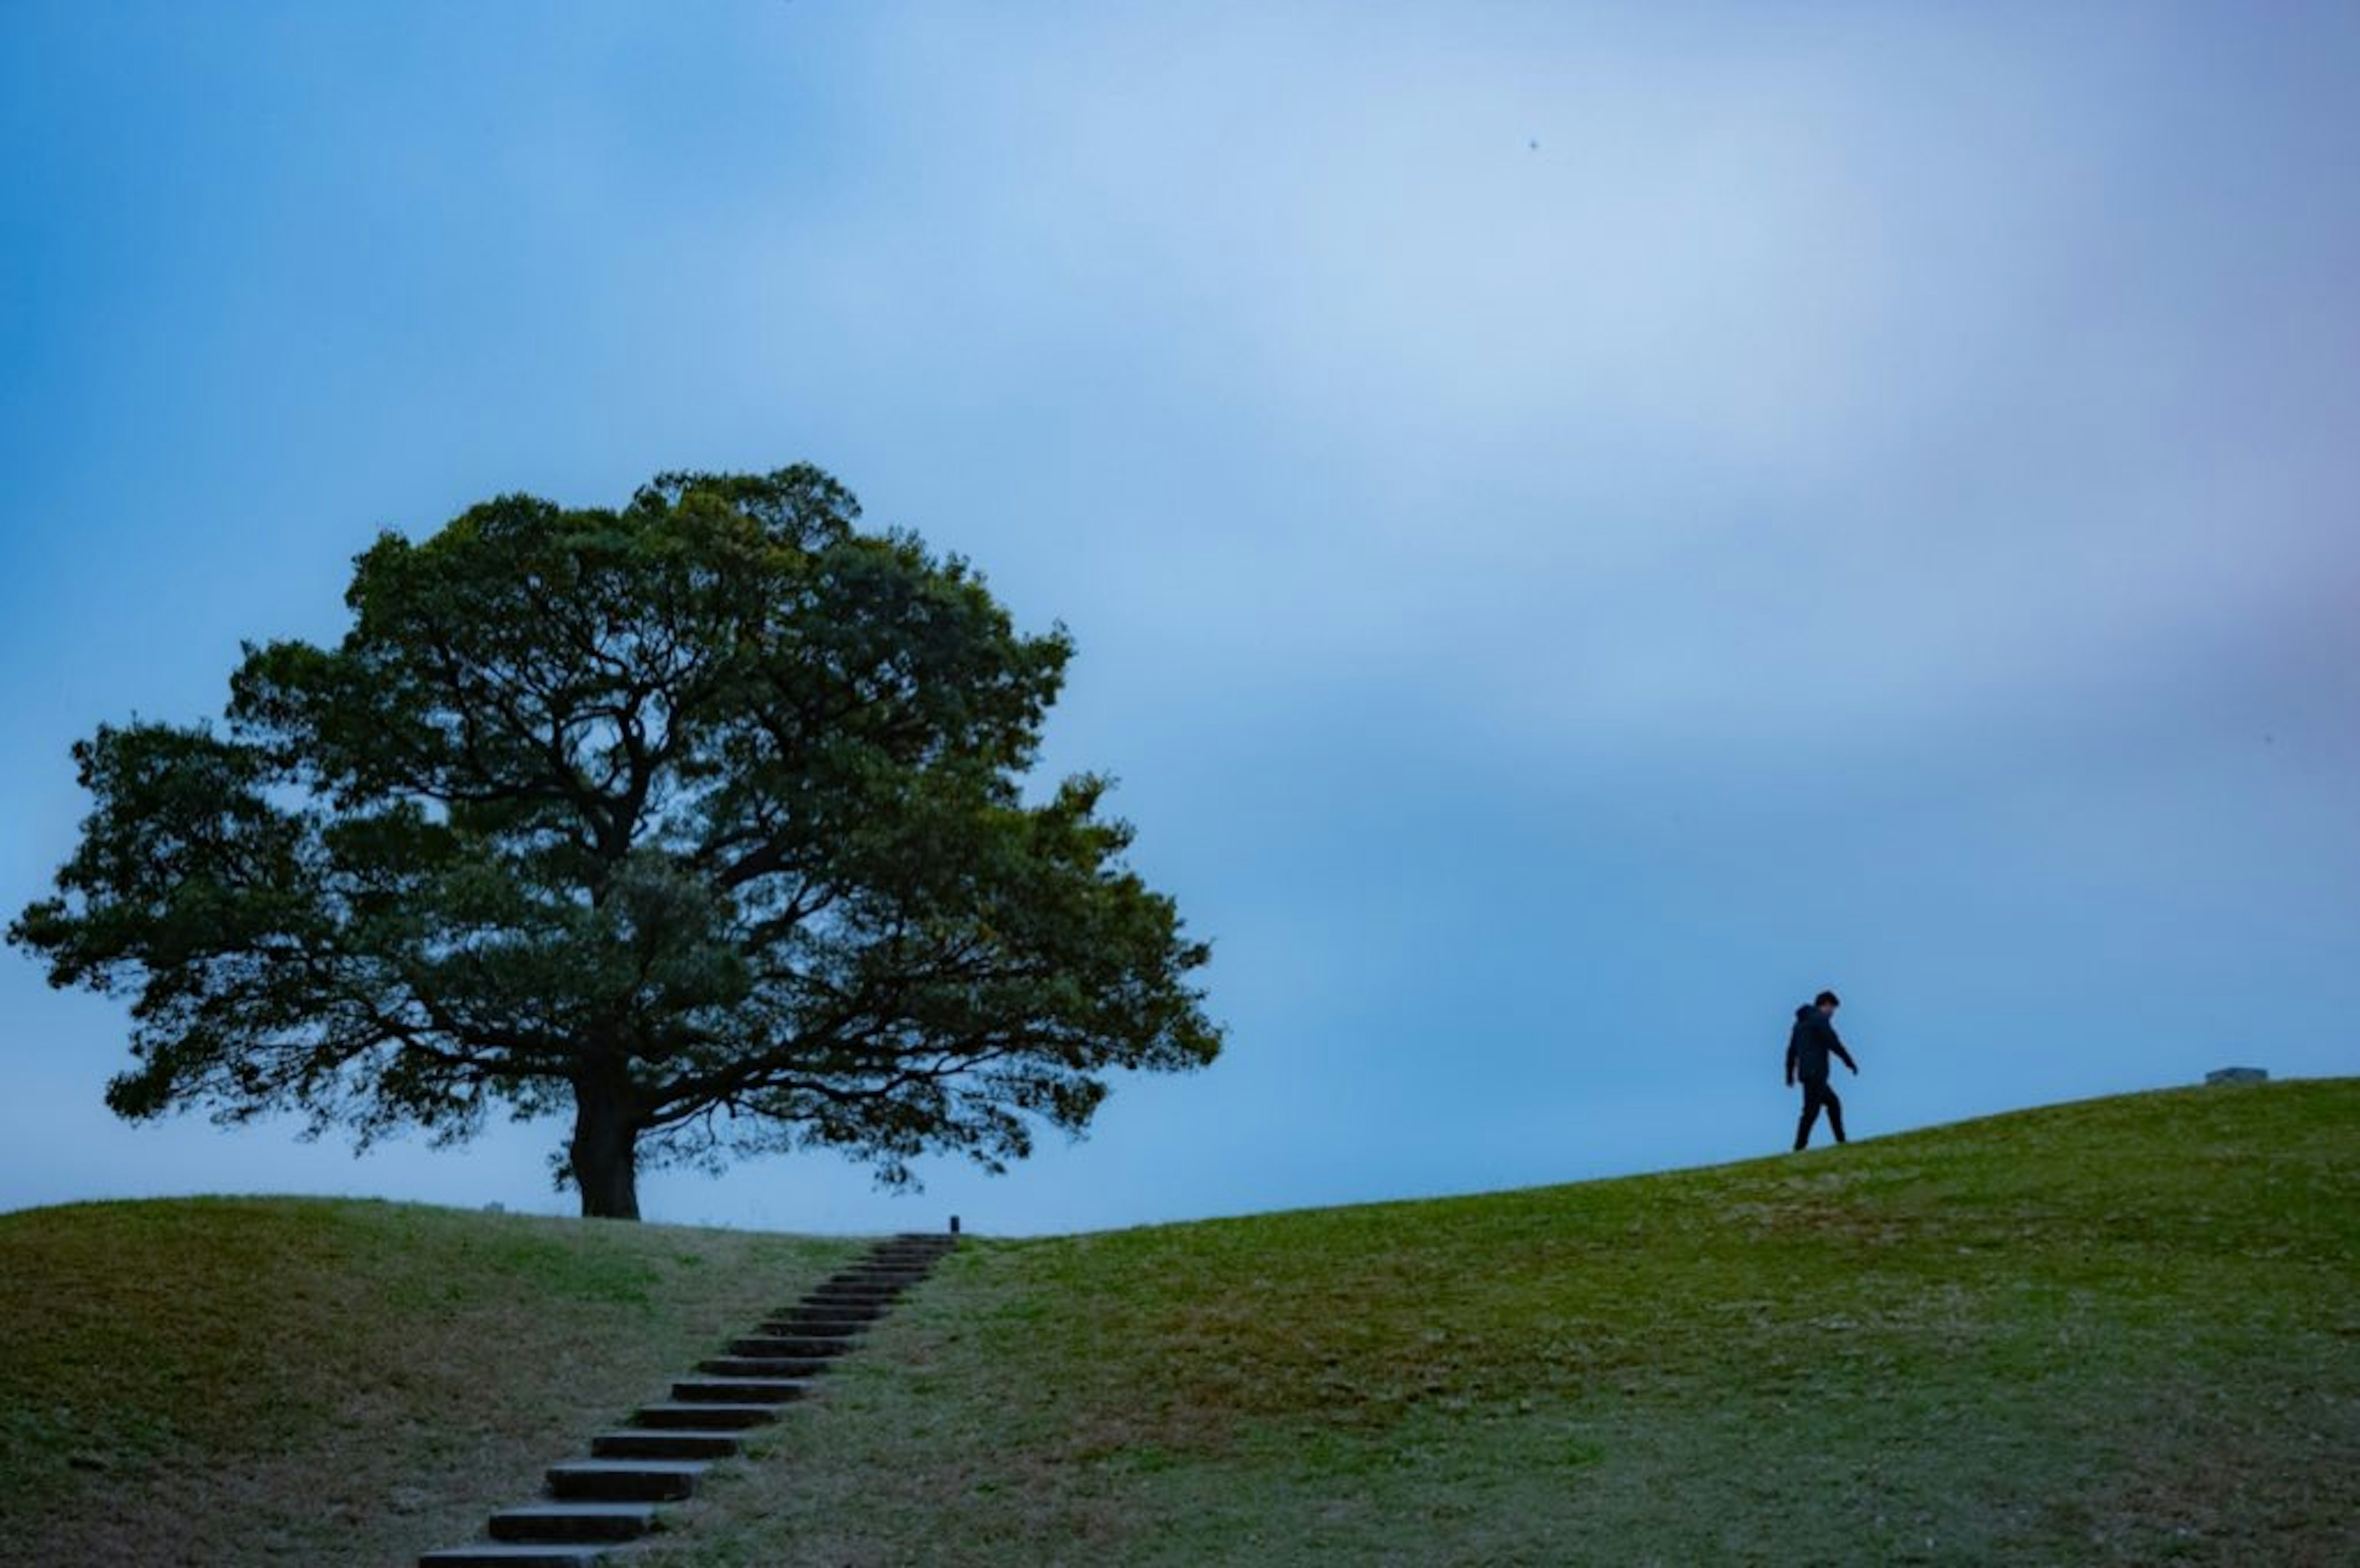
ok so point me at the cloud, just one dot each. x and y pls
(1858, 372)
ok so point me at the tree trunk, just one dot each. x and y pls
(604, 1153)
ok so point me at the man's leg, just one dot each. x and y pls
(1835, 1110)
(1810, 1113)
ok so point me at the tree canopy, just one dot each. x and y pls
(701, 820)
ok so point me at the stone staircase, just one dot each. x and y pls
(615, 1496)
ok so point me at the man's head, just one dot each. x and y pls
(1827, 1003)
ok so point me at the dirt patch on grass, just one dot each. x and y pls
(2230, 1473)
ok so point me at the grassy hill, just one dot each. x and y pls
(249, 1381)
(2119, 1331)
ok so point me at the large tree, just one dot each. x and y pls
(700, 819)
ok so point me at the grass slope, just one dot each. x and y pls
(249, 1382)
(2118, 1332)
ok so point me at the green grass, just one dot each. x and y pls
(244, 1381)
(2124, 1332)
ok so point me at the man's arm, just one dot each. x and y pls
(1794, 1045)
(1835, 1045)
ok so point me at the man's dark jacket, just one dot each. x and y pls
(1807, 1047)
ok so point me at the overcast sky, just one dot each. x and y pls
(1583, 523)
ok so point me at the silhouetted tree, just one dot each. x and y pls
(699, 820)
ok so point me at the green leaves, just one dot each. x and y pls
(706, 808)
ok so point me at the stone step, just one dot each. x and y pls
(675, 1415)
(668, 1443)
(854, 1309)
(850, 1309)
(764, 1366)
(574, 1523)
(817, 1346)
(821, 1326)
(514, 1554)
(875, 1296)
(625, 1480)
(610, 1498)
(741, 1390)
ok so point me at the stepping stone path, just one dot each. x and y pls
(612, 1497)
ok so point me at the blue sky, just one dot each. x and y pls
(1583, 524)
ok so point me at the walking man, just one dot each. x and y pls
(1807, 1049)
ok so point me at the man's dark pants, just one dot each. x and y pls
(1816, 1093)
